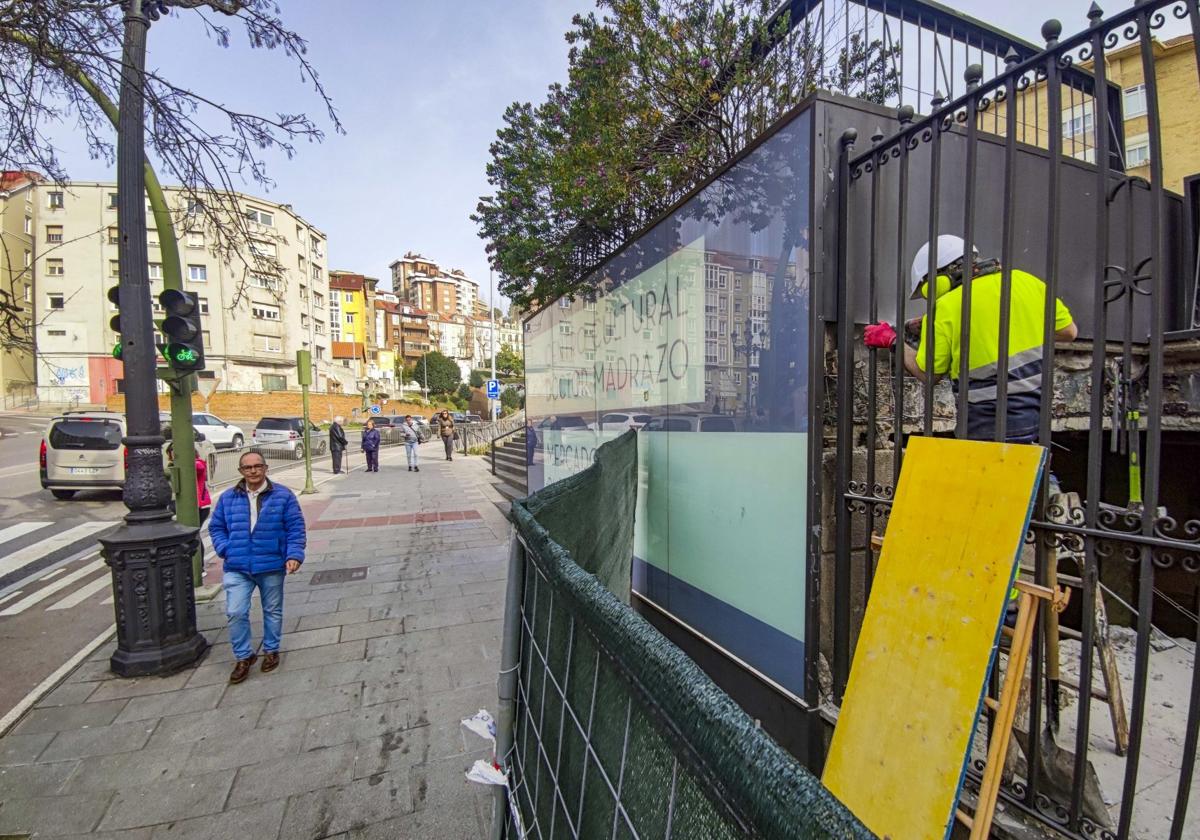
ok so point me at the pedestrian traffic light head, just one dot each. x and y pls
(185, 338)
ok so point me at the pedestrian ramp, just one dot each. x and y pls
(931, 630)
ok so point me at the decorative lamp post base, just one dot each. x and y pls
(153, 598)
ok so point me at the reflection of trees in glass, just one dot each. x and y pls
(659, 95)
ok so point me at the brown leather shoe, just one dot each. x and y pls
(241, 669)
(270, 662)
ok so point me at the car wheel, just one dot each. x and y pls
(321, 448)
(238, 441)
(298, 452)
(63, 494)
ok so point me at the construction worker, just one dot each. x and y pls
(1026, 322)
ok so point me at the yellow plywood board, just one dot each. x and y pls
(930, 632)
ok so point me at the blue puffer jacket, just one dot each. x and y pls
(278, 535)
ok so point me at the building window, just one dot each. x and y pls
(54, 268)
(268, 343)
(319, 353)
(1134, 101)
(316, 274)
(265, 313)
(155, 305)
(195, 239)
(203, 305)
(156, 271)
(28, 293)
(195, 207)
(113, 237)
(303, 320)
(112, 201)
(319, 327)
(348, 297)
(1137, 151)
(114, 269)
(318, 300)
(261, 216)
(56, 301)
(55, 200)
(274, 382)
(28, 258)
(29, 224)
(1078, 120)
(54, 233)
(263, 281)
(198, 273)
(349, 317)
(262, 248)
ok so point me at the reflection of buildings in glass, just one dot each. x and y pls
(737, 296)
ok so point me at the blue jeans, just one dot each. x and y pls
(239, 587)
(410, 449)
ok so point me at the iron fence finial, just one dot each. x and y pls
(939, 99)
(973, 75)
(1051, 29)
(1095, 13)
(1011, 57)
(849, 137)
(905, 114)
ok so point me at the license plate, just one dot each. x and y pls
(83, 470)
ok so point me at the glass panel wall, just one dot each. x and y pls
(696, 335)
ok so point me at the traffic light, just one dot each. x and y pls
(185, 340)
(114, 295)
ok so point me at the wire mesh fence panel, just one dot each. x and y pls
(616, 732)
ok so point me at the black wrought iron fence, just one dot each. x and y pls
(1121, 524)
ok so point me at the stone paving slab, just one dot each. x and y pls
(355, 737)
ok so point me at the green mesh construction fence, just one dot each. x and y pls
(617, 733)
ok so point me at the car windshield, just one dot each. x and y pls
(641, 418)
(282, 424)
(85, 434)
(571, 423)
(717, 424)
(614, 418)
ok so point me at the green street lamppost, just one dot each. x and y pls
(150, 554)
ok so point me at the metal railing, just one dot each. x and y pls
(479, 435)
(1110, 245)
(501, 437)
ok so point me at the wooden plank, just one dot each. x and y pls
(930, 633)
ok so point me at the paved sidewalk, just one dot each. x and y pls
(355, 737)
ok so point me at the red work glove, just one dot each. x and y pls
(880, 335)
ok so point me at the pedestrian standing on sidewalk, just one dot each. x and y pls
(445, 424)
(258, 531)
(337, 442)
(412, 439)
(370, 446)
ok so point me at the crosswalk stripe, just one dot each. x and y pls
(38, 550)
(83, 594)
(46, 591)
(19, 530)
(49, 575)
(10, 596)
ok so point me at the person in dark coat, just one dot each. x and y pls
(337, 442)
(258, 532)
(370, 446)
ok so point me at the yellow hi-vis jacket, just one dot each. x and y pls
(1026, 322)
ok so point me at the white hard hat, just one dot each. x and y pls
(949, 249)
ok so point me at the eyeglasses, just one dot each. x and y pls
(249, 467)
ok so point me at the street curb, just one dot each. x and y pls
(51, 682)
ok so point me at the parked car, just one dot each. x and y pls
(564, 422)
(691, 423)
(82, 450)
(473, 418)
(287, 434)
(619, 421)
(223, 435)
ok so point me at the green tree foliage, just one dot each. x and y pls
(442, 372)
(511, 400)
(658, 96)
(464, 393)
(509, 363)
(477, 377)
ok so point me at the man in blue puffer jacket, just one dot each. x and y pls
(258, 531)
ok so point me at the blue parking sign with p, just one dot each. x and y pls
(493, 389)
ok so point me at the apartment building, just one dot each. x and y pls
(350, 324)
(427, 285)
(17, 249)
(259, 306)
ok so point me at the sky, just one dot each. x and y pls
(421, 88)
